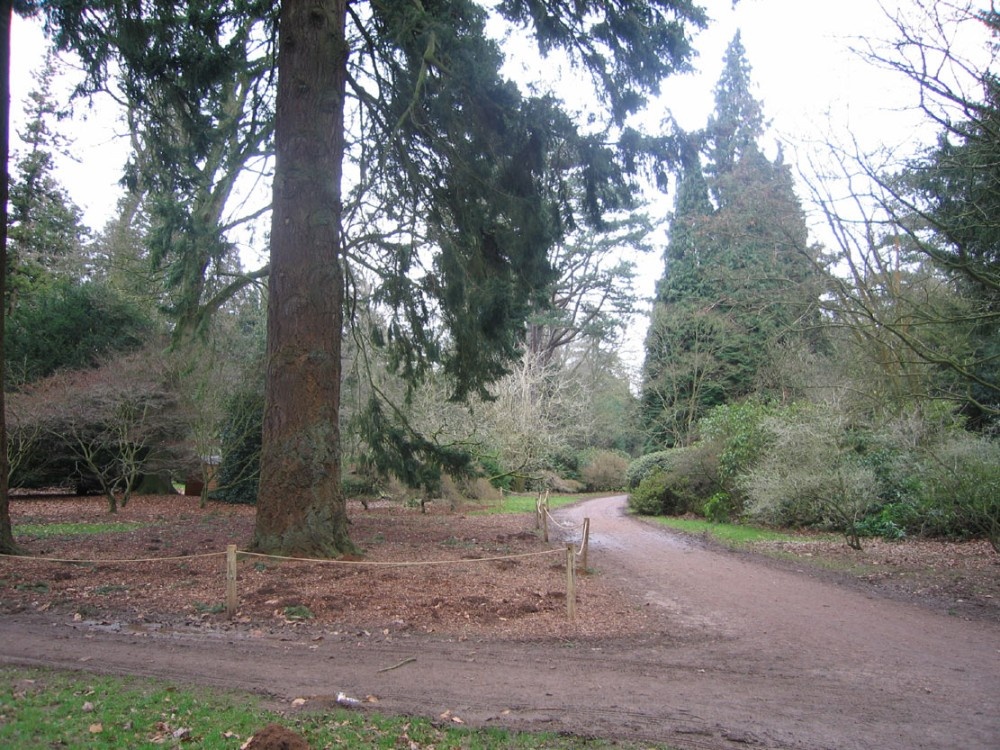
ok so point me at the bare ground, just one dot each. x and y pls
(674, 641)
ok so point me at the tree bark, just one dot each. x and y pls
(7, 545)
(301, 508)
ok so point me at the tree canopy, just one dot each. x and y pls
(453, 196)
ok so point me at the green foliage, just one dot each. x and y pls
(643, 466)
(741, 432)
(493, 470)
(396, 449)
(648, 498)
(70, 325)
(239, 466)
(689, 479)
(719, 508)
(961, 481)
(888, 522)
(298, 612)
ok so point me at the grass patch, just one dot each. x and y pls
(731, 533)
(526, 503)
(45, 530)
(43, 709)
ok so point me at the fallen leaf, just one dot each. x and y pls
(299, 702)
(87, 707)
(96, 728)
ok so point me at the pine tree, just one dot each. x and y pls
(46, 234)
(738, 275)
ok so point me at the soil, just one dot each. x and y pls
(674, 639)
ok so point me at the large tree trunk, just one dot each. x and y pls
(301, 508)
(6, 11)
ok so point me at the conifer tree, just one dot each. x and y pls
(738, 276)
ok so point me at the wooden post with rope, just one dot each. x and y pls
(545, 518)
(585, 547)
(570, 582)
(231, 599)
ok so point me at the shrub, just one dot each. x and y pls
(687, 481)
(961, 481)
(811, 477)
(604, 471)
(647, 498)
(645, 466)
(67, 326)
(719, 508)
(741, 433)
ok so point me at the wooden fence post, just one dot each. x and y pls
(586, 543)
(231, 599)
(570, 582)
(545, 520)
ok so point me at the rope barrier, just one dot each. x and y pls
(370, 563)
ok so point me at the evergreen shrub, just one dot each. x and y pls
(645, 466)
(689, 479)
(647, 498)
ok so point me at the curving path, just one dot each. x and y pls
(746, 655)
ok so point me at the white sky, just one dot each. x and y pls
(808, 80)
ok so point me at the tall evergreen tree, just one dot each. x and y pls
(738, 277)
(46, 233)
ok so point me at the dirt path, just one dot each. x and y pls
(742, 654)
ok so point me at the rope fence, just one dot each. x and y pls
(232, 555)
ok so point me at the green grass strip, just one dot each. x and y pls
(731, 533)
(42, 709)
(526, 503)
(45, 530)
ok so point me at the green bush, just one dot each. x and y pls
(70, 325)
(811, 476)
(890, 522)
(961, 481)
(719, 508)
(645, 466)
(741, 433)
(689, 479)
(647, 498)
